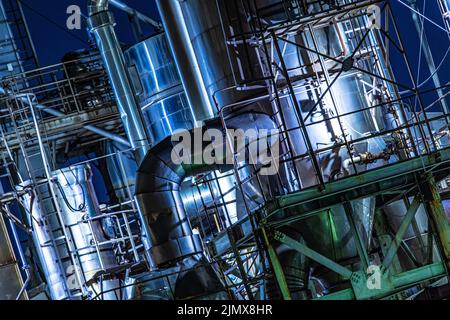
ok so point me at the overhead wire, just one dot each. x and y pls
(53, 22)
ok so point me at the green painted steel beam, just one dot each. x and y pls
(401, 175)
(399, 282)
(343, 295)
(437, 214)
(277, 268)
(419, 275)
(397, 241)
(313, 255)
(384, 237)
(394, 171)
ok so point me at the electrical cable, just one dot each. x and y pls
(53, 22)
(424, 17)
(81, 208)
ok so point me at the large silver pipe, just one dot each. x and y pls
(46, 250)
(144, 18)
(185, 57)
(158, 87)
(158, 184)
(102, 26)
(158, 196)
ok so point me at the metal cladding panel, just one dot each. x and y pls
(6, 253)
(158, 86)
(10, 282)
(10, 278)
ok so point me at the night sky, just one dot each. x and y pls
(53, 41)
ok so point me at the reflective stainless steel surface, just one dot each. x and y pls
(129, 10)
(186, 59)
(158, 195)
(158, 87)
(50, 263)
(102, 25)
(207, 37)
(79, 205)
(77, 200)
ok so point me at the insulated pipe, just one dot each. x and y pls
(101, 132)
(102, 24)
(158, 184)
(187, 64)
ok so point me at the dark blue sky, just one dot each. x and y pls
(53, 42)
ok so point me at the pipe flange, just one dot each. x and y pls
(177, 249)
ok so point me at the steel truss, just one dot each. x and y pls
(251, 35)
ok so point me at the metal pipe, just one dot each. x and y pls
(158, 196)
(133, 12)
(158, 184)
(187, 64)
(101, 132)
(102, 24)
(23, 261)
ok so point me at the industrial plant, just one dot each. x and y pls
(243, 150)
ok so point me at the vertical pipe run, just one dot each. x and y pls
(102, 26)
(183, 52)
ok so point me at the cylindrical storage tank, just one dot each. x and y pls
(46, 250)
(207, 38)
(77, 201)
(79, 208)
(220, 72)
(158, 87)
(341, 113)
